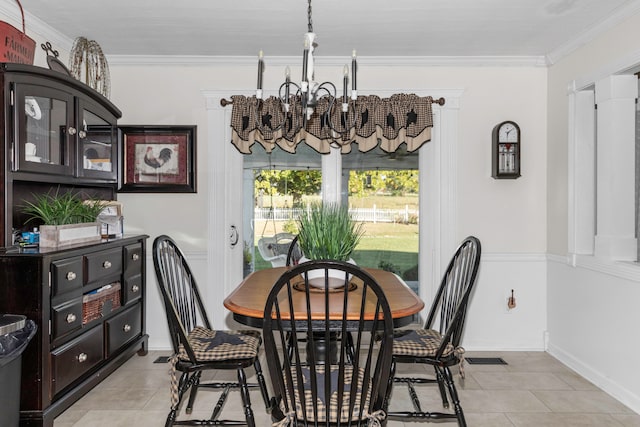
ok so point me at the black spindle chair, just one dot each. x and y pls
(294, 253)
(196, 346)
(314, 381)
(438, 344)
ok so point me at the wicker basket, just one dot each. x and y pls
(100, 303)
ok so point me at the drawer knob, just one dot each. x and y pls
(71, 318)
(106, 264)
(135, 288)
(71, 276)
(82, 134)
(82, 357)
(72, 130)
(126, 328)
(135, 257)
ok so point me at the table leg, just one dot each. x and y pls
(323, 350)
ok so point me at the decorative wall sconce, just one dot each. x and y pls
(505, 151)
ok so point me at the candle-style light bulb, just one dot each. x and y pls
(345, 73)
(354, 66)
(260, 72)
(354, 69)
(287, 78)
(305, 57)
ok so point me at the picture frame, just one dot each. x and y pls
(158, 159)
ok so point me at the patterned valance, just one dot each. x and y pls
(387, 122)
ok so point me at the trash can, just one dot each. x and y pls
(15, 333)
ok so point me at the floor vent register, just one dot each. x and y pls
(485, 361)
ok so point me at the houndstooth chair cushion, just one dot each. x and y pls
(209, 345)
(419, 343)
(321, 405)
(212, 346)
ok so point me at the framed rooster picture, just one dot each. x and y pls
(158, 159)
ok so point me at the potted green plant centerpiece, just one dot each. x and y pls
(65, 218)
(328, 231)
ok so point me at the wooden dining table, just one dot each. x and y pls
(247, 301)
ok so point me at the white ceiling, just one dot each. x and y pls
(376, 28)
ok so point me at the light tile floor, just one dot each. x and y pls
(534, 389)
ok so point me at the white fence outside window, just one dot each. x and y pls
(359, 214)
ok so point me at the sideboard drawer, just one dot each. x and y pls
(77, 357)
(123, 328)
(103, 264)
(66, 275)
(132, 288)
(66, 317)
(132, 260)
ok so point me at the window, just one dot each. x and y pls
(602, 177)
(381, 189)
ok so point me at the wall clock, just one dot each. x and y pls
(505, 150)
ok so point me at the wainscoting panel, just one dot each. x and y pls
(491, 325)
(593, 322)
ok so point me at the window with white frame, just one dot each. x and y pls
(602, 169)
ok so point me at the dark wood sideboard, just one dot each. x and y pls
(88, 301)
(83, 335)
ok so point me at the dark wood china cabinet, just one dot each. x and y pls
(88, 301)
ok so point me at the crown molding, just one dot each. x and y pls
(622, 13)
(383, 61)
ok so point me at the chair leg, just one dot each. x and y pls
(183, 385)
(441, 386)
(414, 397)
(246, 399)
(446, 372)
(446, 384)
(195, 382)
(262, 384)
(389, 387)
(171, 418)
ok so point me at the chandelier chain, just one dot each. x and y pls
(309, 20)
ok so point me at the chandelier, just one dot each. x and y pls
(299, 101)
(314, 113)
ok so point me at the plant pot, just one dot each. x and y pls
(336, 277)
(54, 236)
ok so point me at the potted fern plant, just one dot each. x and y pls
(328, 231)
(64, 219)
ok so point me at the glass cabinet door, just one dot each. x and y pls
(43, 136)
(97, 143)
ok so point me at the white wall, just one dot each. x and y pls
(593, 318)
(508, 216)
(591, 304)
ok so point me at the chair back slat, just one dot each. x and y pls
(450, 304)
(294, 253)
(180, 294)
(314, 379)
